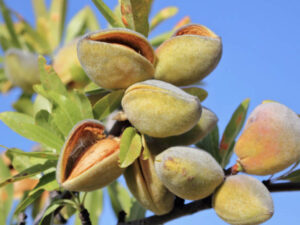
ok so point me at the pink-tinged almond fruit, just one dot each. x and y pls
(270, 141)
(243, 200)
(188, 172)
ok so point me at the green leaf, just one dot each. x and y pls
(45, 120)
(40, 9)
(159, 39)
(29, 172)
(41, 103)
(35, 39)
(198, 92)
(55, 205)
(130, 147)
(83, 104)
(111, 18)
(59, 119)
(121, 200)
(9, 24)
(92, 21)
(20, 161)
(82, 21)
(5, 43)
(135, 15)
(25, 126)
(57, 15)
(233, 128)
(77, 25)
(43, 155)
(68, 111)
(49, 79)
(211, 144)
(108, 104)
(47, 182)
(163, 15)
(294, 176)
(28, 201)
(24, 105)
(6, 193)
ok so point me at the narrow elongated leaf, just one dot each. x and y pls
(35, 39)
(30, 172)
(198, 92)
(9, 25)
(28, 201)
(54, 205)
(71, 111)
(6, 193)
(159, 39)
(4, 42)
(83, 104)
(59, 118)
(108, 104)
(42, 155)
(44, 119)
(25, 126)
(163, 15)
(233, 128)
(47, 182)
(20, 161)
(24, 105)
(92, 22)
(41, 103)
(49, 79)
(135, 15)
(40, 9)
(84, 20)
(109, 15)
(130, 147)
(77, 25)
(294, 176)
(121, 200)
(211, 144)
(57, 16)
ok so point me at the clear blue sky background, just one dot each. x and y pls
(261, 40)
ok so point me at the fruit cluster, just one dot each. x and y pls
(172, 119)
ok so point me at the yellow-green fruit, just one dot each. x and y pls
(146, 187)
(206, 123)
(21, 68)
(159, 109)
(89, 159)
(270, 141)
(188, 172)
(189, 56)
(243, 200)
(67, 65)
(116, 58)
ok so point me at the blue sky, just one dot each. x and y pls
(261, 45)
